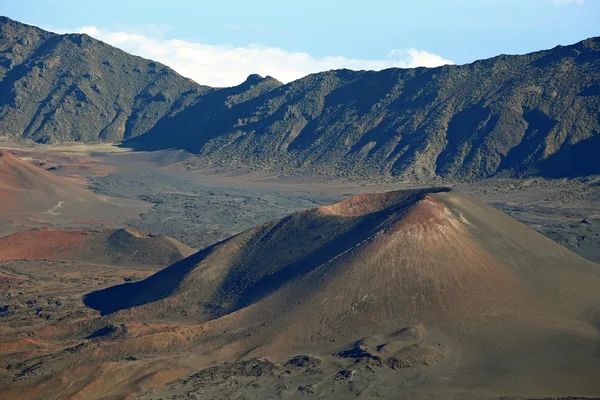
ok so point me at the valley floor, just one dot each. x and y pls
(221, 203)
(201, 208)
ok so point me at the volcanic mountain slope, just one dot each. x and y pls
(421, 277)
(26, 187)
(534, 112)
(129, 247)
(73, 87)
(30, 194)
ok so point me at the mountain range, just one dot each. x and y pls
(536, 113)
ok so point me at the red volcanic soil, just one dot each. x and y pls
(44, 244)
(108, 246)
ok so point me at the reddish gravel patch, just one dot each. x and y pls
(44, 244)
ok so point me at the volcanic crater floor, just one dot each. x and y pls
(417, 294)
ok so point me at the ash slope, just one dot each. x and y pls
(124, 247)
(30, 196)
(24, 187)
(440, 243)
(496, 301)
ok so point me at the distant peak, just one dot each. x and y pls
(271, 79)
(258, 78)
(254, 78)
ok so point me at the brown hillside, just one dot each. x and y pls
(428, 293)
(24, 187)
(30, 195)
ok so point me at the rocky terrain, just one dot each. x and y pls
(45, 294)
(201, 213)
(378, 297)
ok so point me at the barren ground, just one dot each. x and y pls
(200, 208)
(221, 203)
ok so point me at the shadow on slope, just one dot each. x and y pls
(211, 114)
(242, 288)
(573, 160)
(154, 288)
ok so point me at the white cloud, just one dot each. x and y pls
(218, 65)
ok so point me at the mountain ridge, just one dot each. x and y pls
(535, 113)
(451, 122)
(75, 88)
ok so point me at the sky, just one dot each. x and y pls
(221, 42)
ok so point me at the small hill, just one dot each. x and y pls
(429, 275)
(127, 247)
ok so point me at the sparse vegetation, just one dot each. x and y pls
(533, 113)
(75, 88)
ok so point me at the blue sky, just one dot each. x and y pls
(323, 34)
